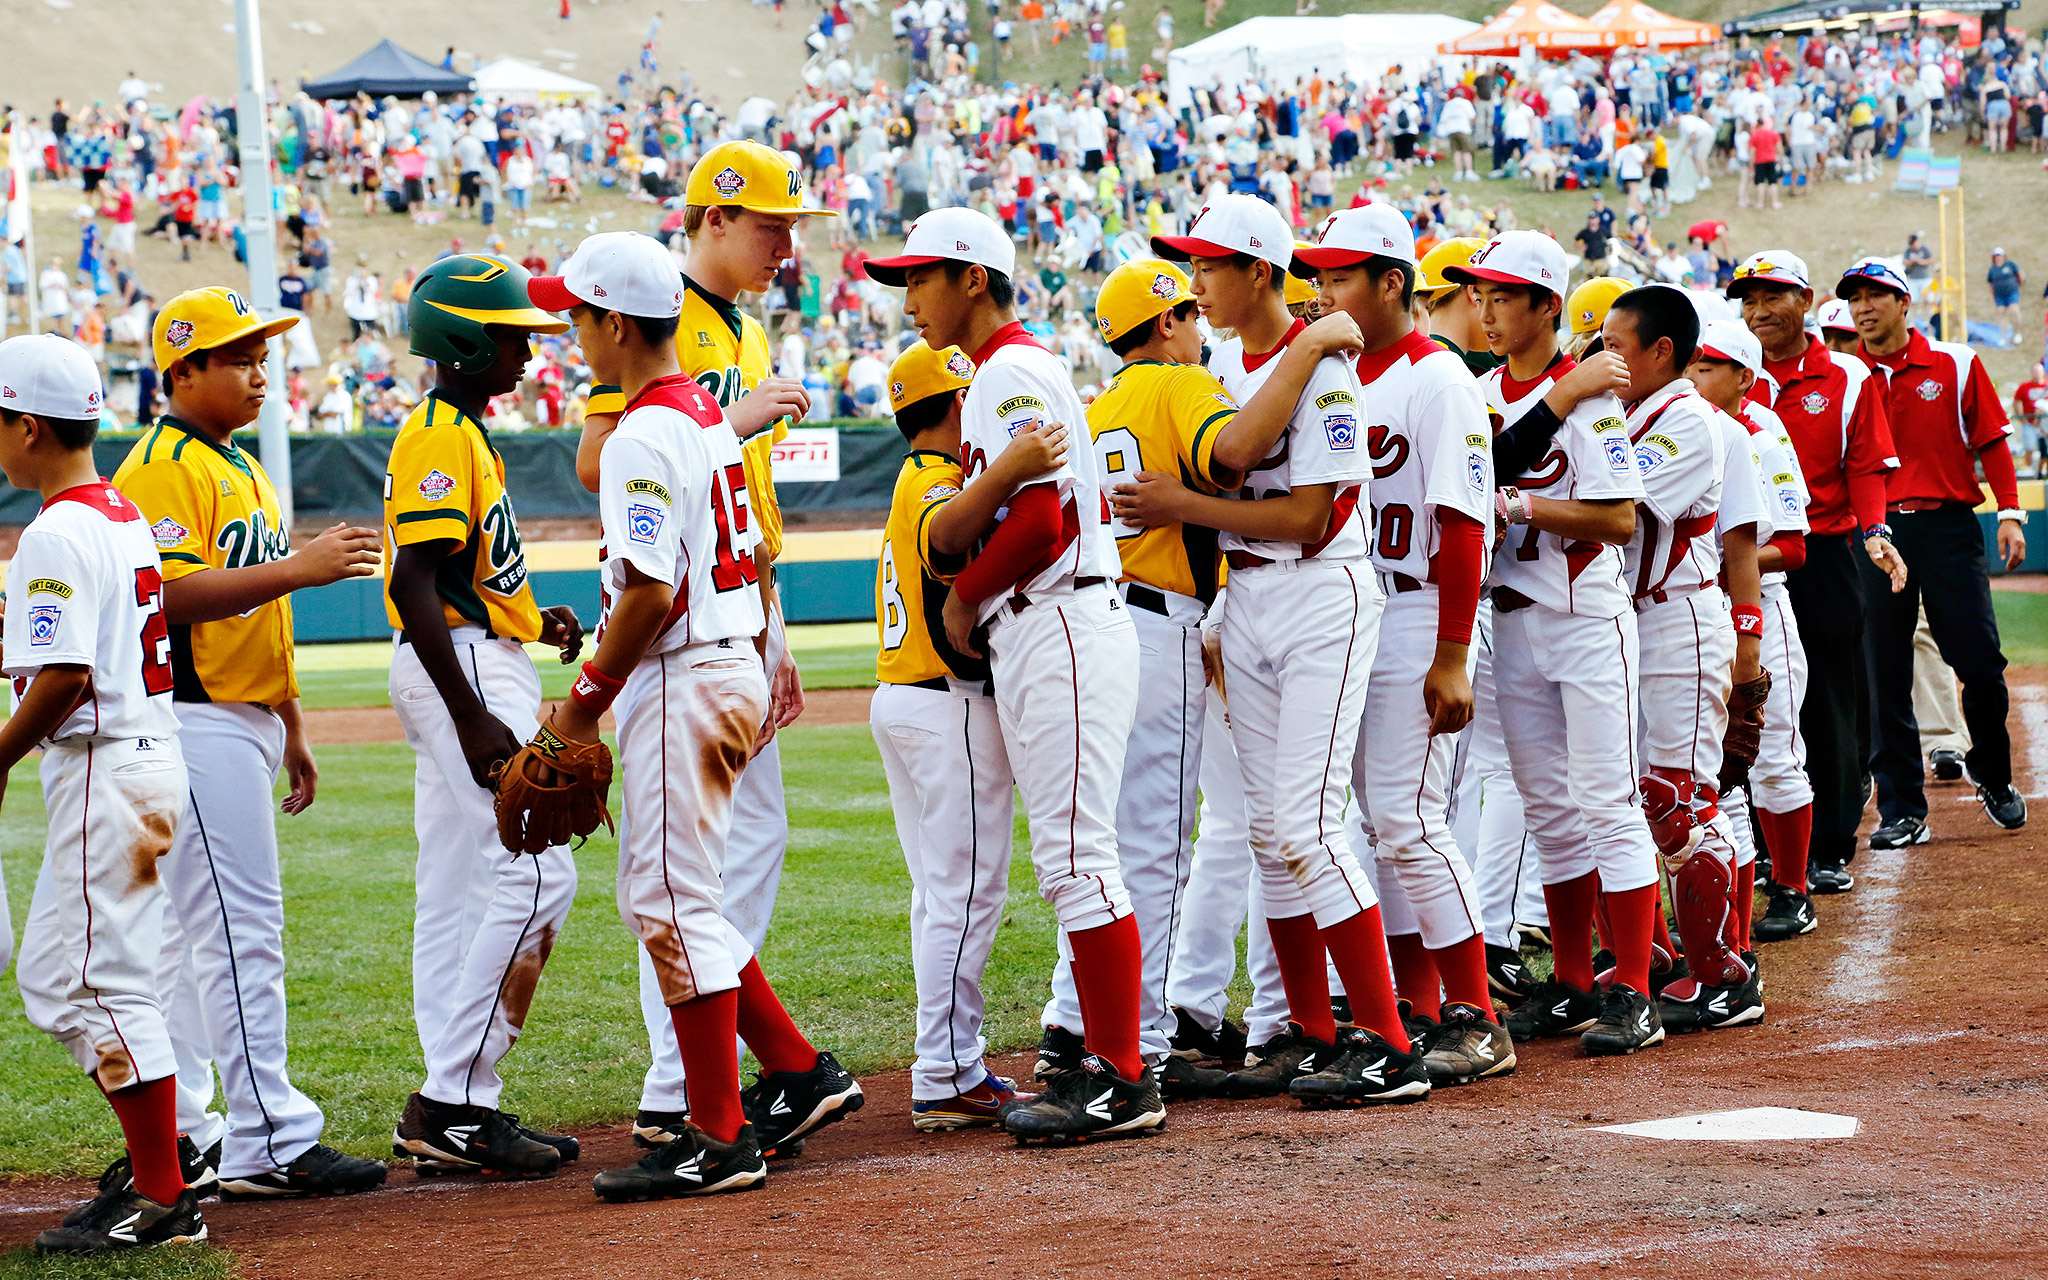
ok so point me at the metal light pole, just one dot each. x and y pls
(259, 241)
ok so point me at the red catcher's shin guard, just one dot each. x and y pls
(1705, 919)
(705, 1030)
(1634, 913)
(1304, 975)
(1106, 976)
(1571, 905)
(1358, 947)
(1788, 836)
(149, 1122)
(1416, 979)
(1742, 900)
(1667, 803)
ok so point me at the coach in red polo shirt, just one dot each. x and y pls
(1945, 418)
(1834, 412)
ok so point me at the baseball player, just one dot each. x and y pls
(457, 594)
(1453, 316)
(680, 651)
(88, 648)
(935, 726)
(1297, 638)
(1432, 489)
(1060, 647)
(1776, 788)
(228, 569)
(1837, 327)
(742, 205)
(1565, 655)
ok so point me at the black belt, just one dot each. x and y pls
(1921, 506)
(488, 635)
(1139, 596)
(1508, 600)
(1243, 559)
(1020, 602)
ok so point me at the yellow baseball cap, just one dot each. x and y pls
(1137, 291)
(1455, 252)
(751, 176)
(1300, 290)
(1589, 302)
(202, 319)
(921, 373)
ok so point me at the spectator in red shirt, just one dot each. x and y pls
(2030, 407)
(1946, 419)
(1763, 155)
(1835, 415)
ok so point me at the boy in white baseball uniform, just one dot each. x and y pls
(1566, 660)
(1298, 635)
(1061, 648)
(89, 651)
(680, 650)
(1432, 487)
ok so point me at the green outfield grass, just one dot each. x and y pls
(2022, 626)
(172, 1262)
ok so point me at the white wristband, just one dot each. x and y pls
(2013, 513)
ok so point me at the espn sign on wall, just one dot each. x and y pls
(807, 454)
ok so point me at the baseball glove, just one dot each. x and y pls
(535, 815)
(1745, 729)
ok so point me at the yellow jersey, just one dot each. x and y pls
(911, 582)
(726, 351)
(1164, 417)
(210, 506)
(445, 483)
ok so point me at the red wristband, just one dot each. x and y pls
(1749, 620)
(594, 689)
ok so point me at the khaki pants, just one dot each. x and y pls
(1935, 703)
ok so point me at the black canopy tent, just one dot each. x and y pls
(386, 70)
(1818, 13)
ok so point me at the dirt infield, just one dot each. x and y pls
(1916, 1008)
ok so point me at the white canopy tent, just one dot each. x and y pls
(510, 80)
(1280, 49)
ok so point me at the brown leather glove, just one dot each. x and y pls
(553, 791)
(1745, 730)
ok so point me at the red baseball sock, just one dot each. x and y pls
(1463, 966)
(1742, 897)
(1298, 946)
(765, 1025)
(1358, 947)
(1632, 913)
(1571, 928)
(1107, 968)
(149, 1122)
(1788, 835)
(1662, 936)
(705, 1028)
(1415, 975)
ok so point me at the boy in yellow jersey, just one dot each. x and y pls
(934, 721)
(228, 570)
(741, 208)
(467, 695)
(1453, 316)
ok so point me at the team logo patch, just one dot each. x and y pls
(1814, 402)
(49, 587)
(1649, 458)
(168, 533)
(1789, 500)
(650, 488)
(1104, 322)
(959, 365)
(178, 333)
(1618, 456)
(437, 485)
(1342, 429)
(1929, 389)
(939, 492)
(643, 523)
(1224, 399)
(1165, 286)
(895, 391)
(42, 624)
(728, 182)
(1475, 472)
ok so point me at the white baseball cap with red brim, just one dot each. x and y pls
(1517, 257)
(949, 235)
(1350, 236)
(1834, 314)
(1773, 266)
(620, 271)
(50, 377)
(1233, 224)
(1725, 339)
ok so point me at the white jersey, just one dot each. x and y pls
(85, 589)
(1590, 458)
(1784, 483)
(672, 494)
(1321, 446)
(1679, 453)
(1426, 436)
(1744, 496)
(1017, 384)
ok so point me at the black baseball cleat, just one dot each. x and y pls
(1665, 969)
(127, 1219)
(319, 1171)
(783, 1106)
(1788, 915)
(2005, 805)
(1947, 763)
(1089, 1103)
(1553, 1009)
(1627, 1022)
(1058, 1050)
(570, 1148)
(1507, 977)
(1418, 1026)
(1280, 1060)
(201, 1170)
(444, 1137)
(1829, 878)
(1468, 1045)
(1183, 1081)
(1897, 833)
(1694, 1006)
(653, 1129)
(690, 1163)
(1367, 1070)
(1196, 1043)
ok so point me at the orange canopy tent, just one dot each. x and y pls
(1527, 24)
(1631, 22)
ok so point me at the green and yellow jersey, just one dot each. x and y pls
(1155, 416)
(911, 581)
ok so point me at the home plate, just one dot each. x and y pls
(1751, 1124)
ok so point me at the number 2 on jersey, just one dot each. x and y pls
(156, 632)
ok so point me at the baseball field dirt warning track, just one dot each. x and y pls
(1917, 1010)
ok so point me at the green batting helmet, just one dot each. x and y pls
(454, 299)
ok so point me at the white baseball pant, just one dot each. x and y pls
(1488, 817)
(1156, 809)
(1566, 689)
(950, 791)
(1297, 648)
(484, 919)
(1778, 781)
(92, 944)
